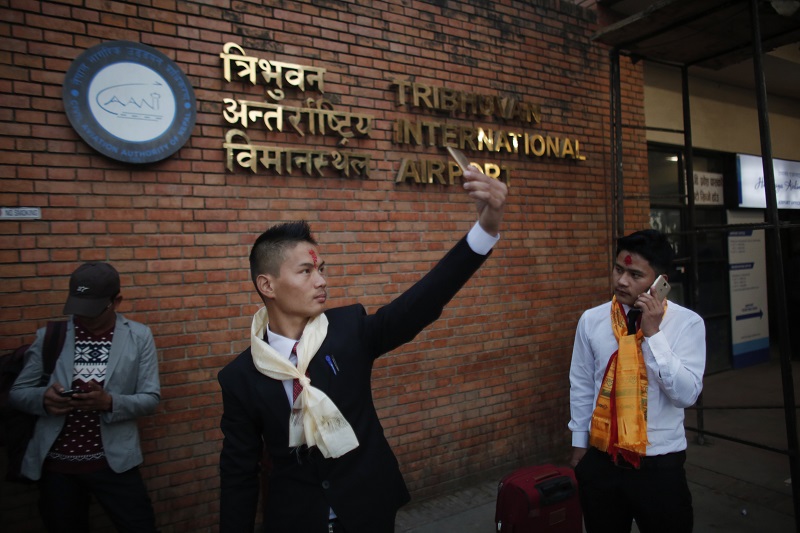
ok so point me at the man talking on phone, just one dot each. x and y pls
(86, 440)
(637, 363)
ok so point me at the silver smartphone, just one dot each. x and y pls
(661, 287)
(460, 158)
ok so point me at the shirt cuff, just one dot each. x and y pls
(479, 241)
(580, 439)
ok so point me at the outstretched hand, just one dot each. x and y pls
(490, 198)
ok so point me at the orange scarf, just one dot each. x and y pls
(619, 421)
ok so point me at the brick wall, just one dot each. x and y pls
(482, 390)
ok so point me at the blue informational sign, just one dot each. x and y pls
(747, 270)
(129, 102)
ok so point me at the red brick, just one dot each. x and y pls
(180, 230)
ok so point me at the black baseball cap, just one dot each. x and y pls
(91, 288)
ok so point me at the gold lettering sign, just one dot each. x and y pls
(272, 72)
(502, 141)
(430, 171)
(466, 104)
(241, 152)
(318, 117)
(442, 134)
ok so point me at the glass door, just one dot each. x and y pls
(669, 213)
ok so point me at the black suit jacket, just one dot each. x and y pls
(364, 487)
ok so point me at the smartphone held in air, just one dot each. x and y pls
(67, 393)
(460, 158)
(661, 287)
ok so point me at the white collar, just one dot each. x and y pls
(283, 345)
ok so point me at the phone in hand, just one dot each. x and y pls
(460, 158)
(67, 393)
(661, 287)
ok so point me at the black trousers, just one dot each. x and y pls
(64, 500)
(656, 495)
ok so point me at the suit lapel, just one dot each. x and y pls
(320, 373)
(120, 345)
(272, 404)
(64, 371)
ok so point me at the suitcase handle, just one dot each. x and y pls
(547, 475)
(555, 490)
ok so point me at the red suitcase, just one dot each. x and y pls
(538, 499)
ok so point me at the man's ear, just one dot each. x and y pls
(265, 286)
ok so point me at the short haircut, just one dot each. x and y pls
(269, 249)
(651, 245)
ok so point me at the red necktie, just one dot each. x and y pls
(296, 386)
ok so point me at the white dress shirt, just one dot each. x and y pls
(675, 358)
(283, 345)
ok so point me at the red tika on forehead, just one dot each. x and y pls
(628, 260)
(313, 256)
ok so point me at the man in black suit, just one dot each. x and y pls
(303, 392)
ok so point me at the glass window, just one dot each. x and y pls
(718, 344)
(712, 244)
(668, 221)
(669, 213)
(713, 295)
(664, 170)
(707, 163)
(677, 293)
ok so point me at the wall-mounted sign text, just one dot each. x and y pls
(752, 191)
(310, 162)
(129, 102)
(708, 188)
(494, 140)
(747, 273)
(317, 117)
(20, 213)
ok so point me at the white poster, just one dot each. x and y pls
(752, 191)
(708, 188)
(747, 268)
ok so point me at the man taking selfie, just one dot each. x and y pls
(303, 388)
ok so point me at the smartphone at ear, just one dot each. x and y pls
(661, 287)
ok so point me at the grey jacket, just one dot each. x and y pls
(131, 379)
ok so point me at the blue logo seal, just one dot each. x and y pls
(129, 102)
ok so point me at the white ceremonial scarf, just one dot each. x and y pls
(325, 426)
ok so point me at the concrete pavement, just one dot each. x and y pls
(736, 488)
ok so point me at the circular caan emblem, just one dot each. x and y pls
(129, 102)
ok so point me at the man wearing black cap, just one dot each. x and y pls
(86, 440)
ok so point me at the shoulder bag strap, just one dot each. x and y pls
(54, 337)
